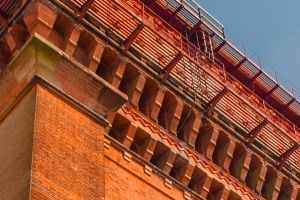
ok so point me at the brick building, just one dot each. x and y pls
(129, 99)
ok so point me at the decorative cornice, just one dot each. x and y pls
(39, 58)
(190, 153)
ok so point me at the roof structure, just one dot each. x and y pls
(168, 33)
(188, 50)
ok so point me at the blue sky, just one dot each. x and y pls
(270, 28)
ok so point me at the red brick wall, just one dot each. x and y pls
(16, 133)
(127, 179)
(68, 161)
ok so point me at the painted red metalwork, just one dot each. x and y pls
(252, 135)
(8, 10)
(131, 37)
(213, 103)
(173, 15)
(220, 46)
(84, 8)
(236, 68)
(157, 40)
(5, 7)
(195, 27)
(286, 106)
(283, 158)
(204, 72)
(166, 71)
(252, 80)
(267, 95)
(211, 79)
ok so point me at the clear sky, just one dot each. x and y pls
(270, 28)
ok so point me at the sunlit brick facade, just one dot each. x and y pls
(128, 99)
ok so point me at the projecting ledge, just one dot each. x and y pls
(39, 58)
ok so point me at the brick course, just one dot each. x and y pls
(16, 135)
(73, 68)
(68, 161)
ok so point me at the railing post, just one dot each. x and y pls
(225, 74)
(259, 63)
(223, 30)
(265, 110)
(292, 89)
(199, 13)
(181, 42)
(295, 133)
(143, 12)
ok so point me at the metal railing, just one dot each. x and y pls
(161, 39)
(271, 77)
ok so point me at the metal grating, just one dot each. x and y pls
(160, 43)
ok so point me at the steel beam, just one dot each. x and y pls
(167, 69)
(220, 46)
(234, 70)
(213, 103)
(151, 3)
(252, 135)
(194, 29)
(131, 37)
(267, 96)
(173, 15)
(285, 107)
(252, 80)
(84, 8)
(283, 158)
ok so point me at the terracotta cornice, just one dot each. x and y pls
(173, 141)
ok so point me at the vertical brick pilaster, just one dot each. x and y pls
(261, 178)
(156, 103)
(11, 43)
(204, 186)
(223, 193)
(40, 19)
(272, 186)
(191, 130)
(278, 182)
(110, 118)
(118, 74)
(209, 143)
(15, 38)
(295, 191)
(173, 118)
(169, 162)
(228, 154)
(94, 56)
(187, 174)
(71, 41)
(149, 149)
(129, 133)
(135, 93)
(246, 159)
